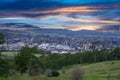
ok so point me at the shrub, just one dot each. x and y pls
(34, 71)
(48, 72)
(51, 73)
(63, 70)
(77, 73)
(55, 73)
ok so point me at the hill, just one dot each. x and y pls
(95, 71)
(23, 29)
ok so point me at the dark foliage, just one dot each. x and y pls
(4, 67)
(57, 61)
(2, 40)
(26, 60)
(55, 73)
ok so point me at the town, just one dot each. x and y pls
(59, 43)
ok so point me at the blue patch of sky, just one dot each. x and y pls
(84, 1)
(5, 1)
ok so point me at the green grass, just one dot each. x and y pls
(95, 71)
(11, 54)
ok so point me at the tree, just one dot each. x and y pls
(26, 60)
(88, 57)
(4, 63)
(116, 53)
(2, 40)
(4, 67)
(93, 47)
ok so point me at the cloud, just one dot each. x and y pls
(39, 8)
(65, 14)
(64, 22)
(28, 4)
(94, 21)
(113, 28)
(82, 27)
(37, 13)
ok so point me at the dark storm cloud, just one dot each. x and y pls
(47, 4)
(110, 28)
(28, 4)
(15, 7)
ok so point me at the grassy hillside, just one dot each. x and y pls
(95, 71)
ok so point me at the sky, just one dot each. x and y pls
(102, 15)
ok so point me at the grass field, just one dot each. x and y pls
(9, 53)
(95, 71)
(15, 53)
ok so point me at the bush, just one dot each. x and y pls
(34, 71)
(63, 70)
(48, 72)
(55, 73)
(51, 73)
(77, 73)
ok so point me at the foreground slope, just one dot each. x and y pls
(95, 71)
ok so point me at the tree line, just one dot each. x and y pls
(57, 61)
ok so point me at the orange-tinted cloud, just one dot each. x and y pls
(90, 20)
(95, 21)
(84, 27)
(75, 9)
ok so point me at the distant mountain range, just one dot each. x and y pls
(17, 25)
(21, 28)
